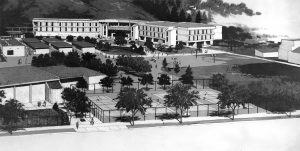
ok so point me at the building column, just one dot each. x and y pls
(30, 93)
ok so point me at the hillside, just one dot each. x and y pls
(16, 12)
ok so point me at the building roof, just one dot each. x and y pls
(30, 40)
(54, 85)
(297, 50)
(12, 42)
(49, 40)
(24, 75)
(61, 45)
(64, 72)
(37, 45)
(82, 44)
(268, 49)
(63, 19)
(179, 24)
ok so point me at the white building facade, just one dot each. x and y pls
(12, 48)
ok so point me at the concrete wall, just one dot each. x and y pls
(90, 50)
(294, 57)
(65, 50)
(41, 51)
(38, 93)
(9, 93)
(285, 47)
(93, 82)
(135, 33)
(171, 38)
(218, 33)
(55, 96)
(18, 51)
(266, 54)
(22, 94)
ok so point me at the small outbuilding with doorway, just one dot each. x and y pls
(12, 48)
(84, 47)
(62, 47)
(39, 48)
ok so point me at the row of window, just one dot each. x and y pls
(68, 29)
(153, 34)
(66, 24)
(150, 28)
(200, 31)
(202, 37)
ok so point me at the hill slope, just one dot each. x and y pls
(15, 12)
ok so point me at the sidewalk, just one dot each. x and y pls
(85, 127)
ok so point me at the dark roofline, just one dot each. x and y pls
(26, 83)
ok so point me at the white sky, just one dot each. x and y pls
(279, 17)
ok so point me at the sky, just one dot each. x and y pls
(279, 17)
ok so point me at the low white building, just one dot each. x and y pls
(12, 48)
(267, 52)
(62, 47)
(294, 56)
(39, 48)
(287, 45)
(84, 47)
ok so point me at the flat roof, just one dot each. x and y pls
(179, 24)
(268, 49)
(83, 44)
(28, 40)
(61, 45)
(64, 72)
(64, 19)
(37, 45)
(48, 40)
(12, 42)
(24, 75)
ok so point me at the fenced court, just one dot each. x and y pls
(103, 107)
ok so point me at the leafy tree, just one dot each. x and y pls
(138, 64)
(164, 80)
(72, 59)
(198, 17)
(164, 63)
(79, 38)
(146, 80)
(149, 44)
(82, 84)
(43, 61)
(176, 67)
(204, 18)
(188, 18)
(95, 64)
(87, 58)
(58, 57)
(187, 78)
(182, 16)
(169, 49)
(218, 81)
(70, 38)
(233, 96)
(12, 112)
(2, 95)
(107, 82)
(99, 45)
(55, 107)
(161, 48)
(120, 40)
(87, 39)
(179, 46)
(76, 101)
(174, 14)
(93, 41)
(127, 81)
(133, 100)
(107, 46)
(58, 37)
(109, 68)
(180, 97)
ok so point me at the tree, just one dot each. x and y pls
(87, 39)
(179, 46)
(72, 59)
(189, 18)
(107, 82)
(182, 16)
(146, 80)
(109, 68)
(120, 40)
(187, 78)
(176, 67)
(58, 37)
(198, 17)
(70, 38)
(164, 63)
(164, 80)
(82, 84)
(2, 95)
(233, 96)
(79, 38)
(133, 100)
(76, 101)
(204, 18)
(58, 57)
(174, 14)
(107, 46)
(218, 81)
(180, 97)
(149, 44)
(12, 112)
(87, 58)
(127, 81)
(99, 45)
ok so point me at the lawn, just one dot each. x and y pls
(121, 51)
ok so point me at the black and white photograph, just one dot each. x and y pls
(149, 75)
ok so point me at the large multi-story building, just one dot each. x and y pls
(167, 33)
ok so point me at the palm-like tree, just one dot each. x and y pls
(180, 97)
(133, 100)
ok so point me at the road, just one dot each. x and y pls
(271, 135)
